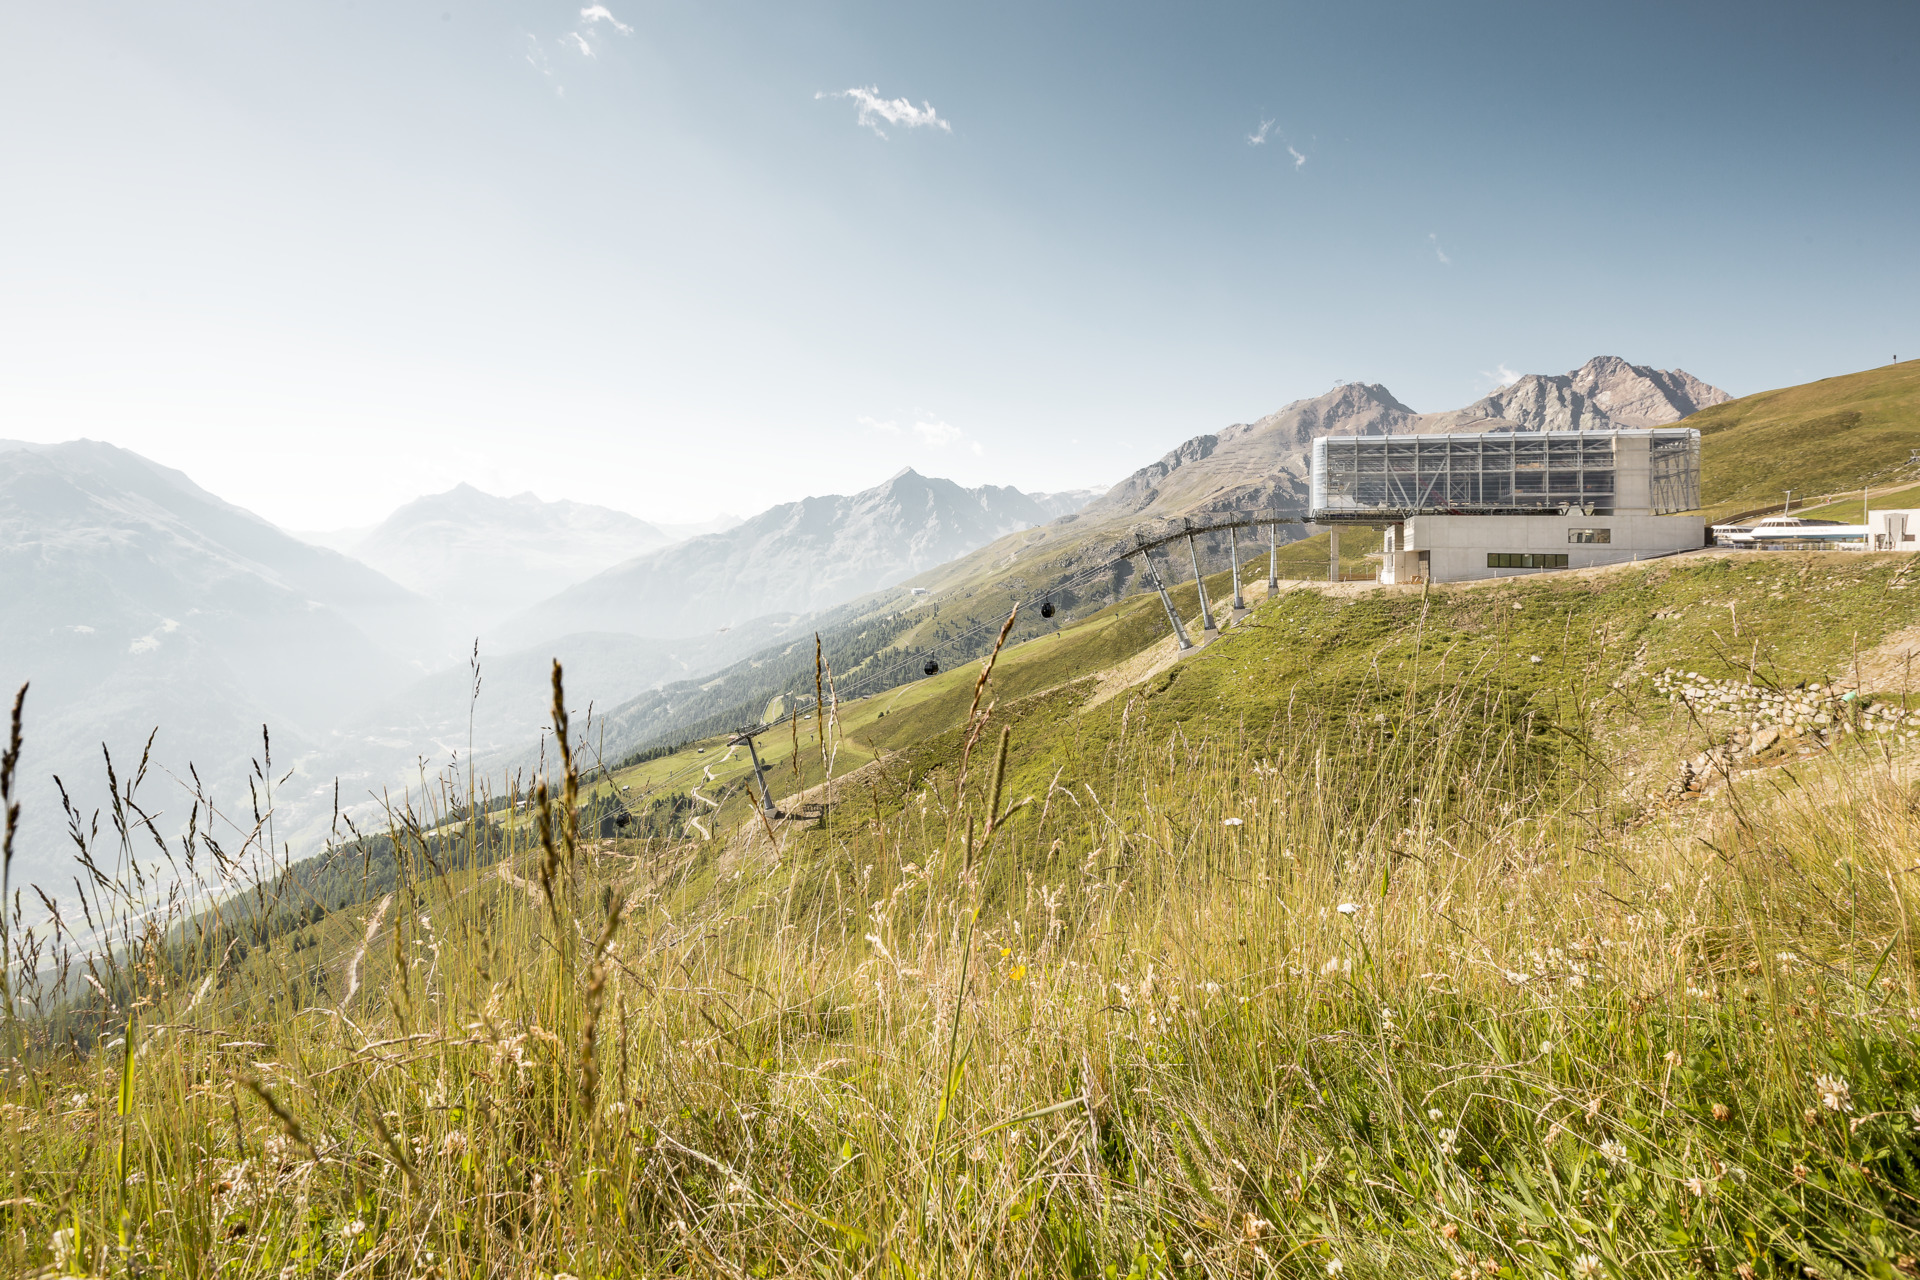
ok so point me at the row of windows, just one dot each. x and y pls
(1448, 489)
(1526, 559)
(1589, 535)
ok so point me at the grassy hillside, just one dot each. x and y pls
(1820, 438)
(1830, 436)
(1392, 935)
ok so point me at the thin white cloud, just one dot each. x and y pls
(151, 641)
(895, 111)
(1259, 137)
(1434, 240)
(885, 428)
(936, 434)
(537, 56)
(579, 42)
(1500, 376)
(600, 13)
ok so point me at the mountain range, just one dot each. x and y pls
(482, 558)
(1253, 466)
(137, 599)
(1264, 464)
(798, 557)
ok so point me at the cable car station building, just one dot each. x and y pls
(1496, 504)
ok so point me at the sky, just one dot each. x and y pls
(687, 258)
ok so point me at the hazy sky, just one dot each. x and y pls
(681, 257)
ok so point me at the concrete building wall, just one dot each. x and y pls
(1450, 548)
(1894, 529)
(1632, 475)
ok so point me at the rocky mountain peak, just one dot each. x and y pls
(1264, 464)
(1604, 392)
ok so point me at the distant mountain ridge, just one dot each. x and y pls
(797, 557)
(486, 557)
(135, 599)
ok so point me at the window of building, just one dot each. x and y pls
(1526, 560)
(1589, 535)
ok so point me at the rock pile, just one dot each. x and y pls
(1763, 715)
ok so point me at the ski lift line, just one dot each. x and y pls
(890, 675)
(884, 676)
(1189, 528)
(857, 688)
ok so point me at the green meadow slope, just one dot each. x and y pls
(1831, 436)
(1395, 933)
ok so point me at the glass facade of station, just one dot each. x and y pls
(1392, 477)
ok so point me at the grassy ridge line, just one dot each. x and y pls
(1792, 618)
(638, 729)
(1769, 593)
(1567, 652)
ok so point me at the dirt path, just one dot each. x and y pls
(353, 965)
(528, 887)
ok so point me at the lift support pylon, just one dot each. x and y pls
(1179, 632)
(1200, 585)
(759, 774)
(1233, 552)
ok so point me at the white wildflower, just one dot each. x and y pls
(1230, 822)
(1348, 908)
(1587, 1266)
(1834, 1093)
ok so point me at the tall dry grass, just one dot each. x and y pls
(1423, 1009)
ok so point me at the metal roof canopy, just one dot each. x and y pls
(1371, 479)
